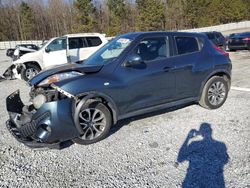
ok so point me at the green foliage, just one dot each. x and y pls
(247, 3)
(85, 16)
(200, 13)
(26, 21)
(32, 19)
(175, 15)
(117, 15)
(194, 11)
(225, 11)
(151, 15)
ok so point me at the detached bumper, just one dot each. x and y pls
(45, 127)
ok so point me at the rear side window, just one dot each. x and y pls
(77, 42)
(211, 36)
(186, 45)
(93, 41)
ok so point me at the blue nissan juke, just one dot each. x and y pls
(134, 74)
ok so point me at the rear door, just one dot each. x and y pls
(77, 49)
(187, 57)
(149, 83)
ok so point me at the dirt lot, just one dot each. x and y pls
(145, 151)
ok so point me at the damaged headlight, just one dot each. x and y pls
(39, 100)
(59, 77)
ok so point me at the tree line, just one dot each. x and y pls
(35, 19)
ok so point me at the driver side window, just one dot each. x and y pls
(151, 49)
(57, 44)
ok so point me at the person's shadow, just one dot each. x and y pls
(206, 157)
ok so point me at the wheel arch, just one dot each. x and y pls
(105, 99)
(220, 73)
(32, 63)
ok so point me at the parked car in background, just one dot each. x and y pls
(20, 50)
(134, 74)
(239, 41)
(70, 48)
(217, 38)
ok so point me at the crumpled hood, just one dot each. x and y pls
(27, 57)
(64, 68)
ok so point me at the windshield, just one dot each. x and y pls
(44, 44)
(109, 52)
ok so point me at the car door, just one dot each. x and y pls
(55, 53)
(186, 62)
(149, 83)
(77, 48)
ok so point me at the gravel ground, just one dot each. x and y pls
(142, 152)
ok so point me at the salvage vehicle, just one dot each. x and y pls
(134, 74)
(239, 41)
(70, 48)
(20, 50)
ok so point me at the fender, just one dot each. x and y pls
(90, 95)
(215, 72)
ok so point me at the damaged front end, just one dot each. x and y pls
(40, 123)
(12, 72)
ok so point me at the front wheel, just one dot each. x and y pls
(94, 119)
(214, 93)
(30, 71)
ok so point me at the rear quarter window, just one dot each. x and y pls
(186, 45)
(211, 36)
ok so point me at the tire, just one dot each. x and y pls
(215, 92)
(102, 125)
(30, 71)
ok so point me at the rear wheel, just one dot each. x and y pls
(94, 118)
(214, 93)
(30, 71)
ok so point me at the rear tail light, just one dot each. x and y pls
(246, 39)
(218, 49)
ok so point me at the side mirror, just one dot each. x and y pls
(133, 60)
(47, 50)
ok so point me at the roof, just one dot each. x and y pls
(84, 34)
(137, 34)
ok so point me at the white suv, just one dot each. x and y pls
(70, 48)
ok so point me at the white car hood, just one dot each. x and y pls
(33, 56)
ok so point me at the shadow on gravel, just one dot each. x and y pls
(206, 157)
(127, 121)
